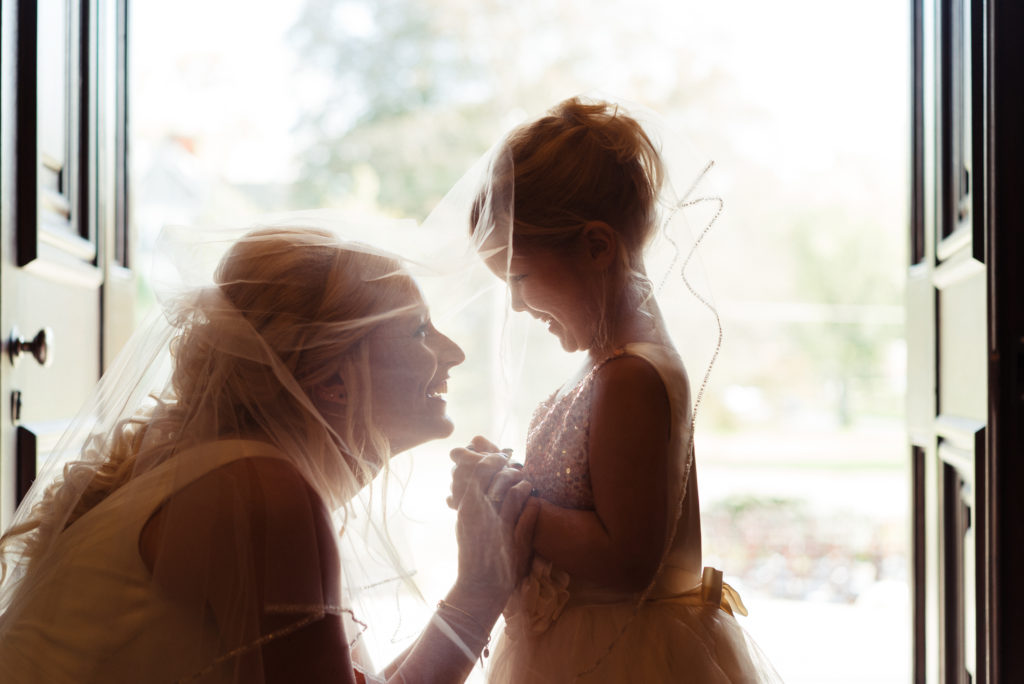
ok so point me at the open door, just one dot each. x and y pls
(62, 227)
(965, 340)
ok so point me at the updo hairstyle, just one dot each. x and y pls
(583, 161)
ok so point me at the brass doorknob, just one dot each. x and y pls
(40, 346)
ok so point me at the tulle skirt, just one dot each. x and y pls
(681, 639)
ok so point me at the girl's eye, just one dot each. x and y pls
(422, 330)
(516, 278)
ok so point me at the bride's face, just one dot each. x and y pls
(409, 364)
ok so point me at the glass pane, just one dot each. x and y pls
(53, 84)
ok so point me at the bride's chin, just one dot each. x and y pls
(438, 430)
(447, 429)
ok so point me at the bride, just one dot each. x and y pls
(194, 535)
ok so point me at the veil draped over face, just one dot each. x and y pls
(514, 211)
(192, 510)
(671, 279)
(215, 399)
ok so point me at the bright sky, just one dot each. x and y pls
(803, 71)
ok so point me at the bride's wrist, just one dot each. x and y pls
(467, 616)
(481, 602)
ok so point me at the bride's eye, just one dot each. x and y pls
(516, 278)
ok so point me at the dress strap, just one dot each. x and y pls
(588, 379)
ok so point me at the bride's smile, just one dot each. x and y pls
(411, 360)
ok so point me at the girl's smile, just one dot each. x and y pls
(556, 289)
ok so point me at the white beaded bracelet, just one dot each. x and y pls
(447, 630)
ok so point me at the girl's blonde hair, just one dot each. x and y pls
(583, 161)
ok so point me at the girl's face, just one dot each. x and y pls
(409, 364)
(555, 288)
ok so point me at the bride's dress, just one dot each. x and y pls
(92, 613)
(561, 629)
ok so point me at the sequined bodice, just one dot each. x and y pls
(557, 445)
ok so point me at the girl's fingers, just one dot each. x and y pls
(522, 537)
(501, 483)
(527, 522)
(512, 506)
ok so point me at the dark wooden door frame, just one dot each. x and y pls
(63, 215)
(995, 210)
(1001, 599)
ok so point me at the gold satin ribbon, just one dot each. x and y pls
(711, 591)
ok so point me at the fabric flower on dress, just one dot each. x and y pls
(538, 601)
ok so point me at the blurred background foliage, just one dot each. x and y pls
(379, 106)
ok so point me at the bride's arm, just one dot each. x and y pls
(494, 546)
(257, 524)
(619, 544)
(434, 658)
(250, 540)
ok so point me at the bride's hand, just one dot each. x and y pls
(466, 459)
(495, 528)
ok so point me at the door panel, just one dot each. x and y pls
(58, 183)
(965, 338)
(947, 408)
(962, 371)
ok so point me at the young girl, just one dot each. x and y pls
(617, 592)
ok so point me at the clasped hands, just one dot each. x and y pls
(486, 465)
(497, 515)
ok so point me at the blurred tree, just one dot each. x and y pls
(407, 94)
(403, 104)
(851, 266)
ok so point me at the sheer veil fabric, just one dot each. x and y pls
(671, 285)
(118, 568)
(210, 393)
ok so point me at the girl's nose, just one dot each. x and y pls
(515, 299)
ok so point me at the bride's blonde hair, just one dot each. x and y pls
(291, 309)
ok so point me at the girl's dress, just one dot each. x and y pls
(563, 629)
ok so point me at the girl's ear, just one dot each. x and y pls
(601, 243)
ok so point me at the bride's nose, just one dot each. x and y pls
(448, 352)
